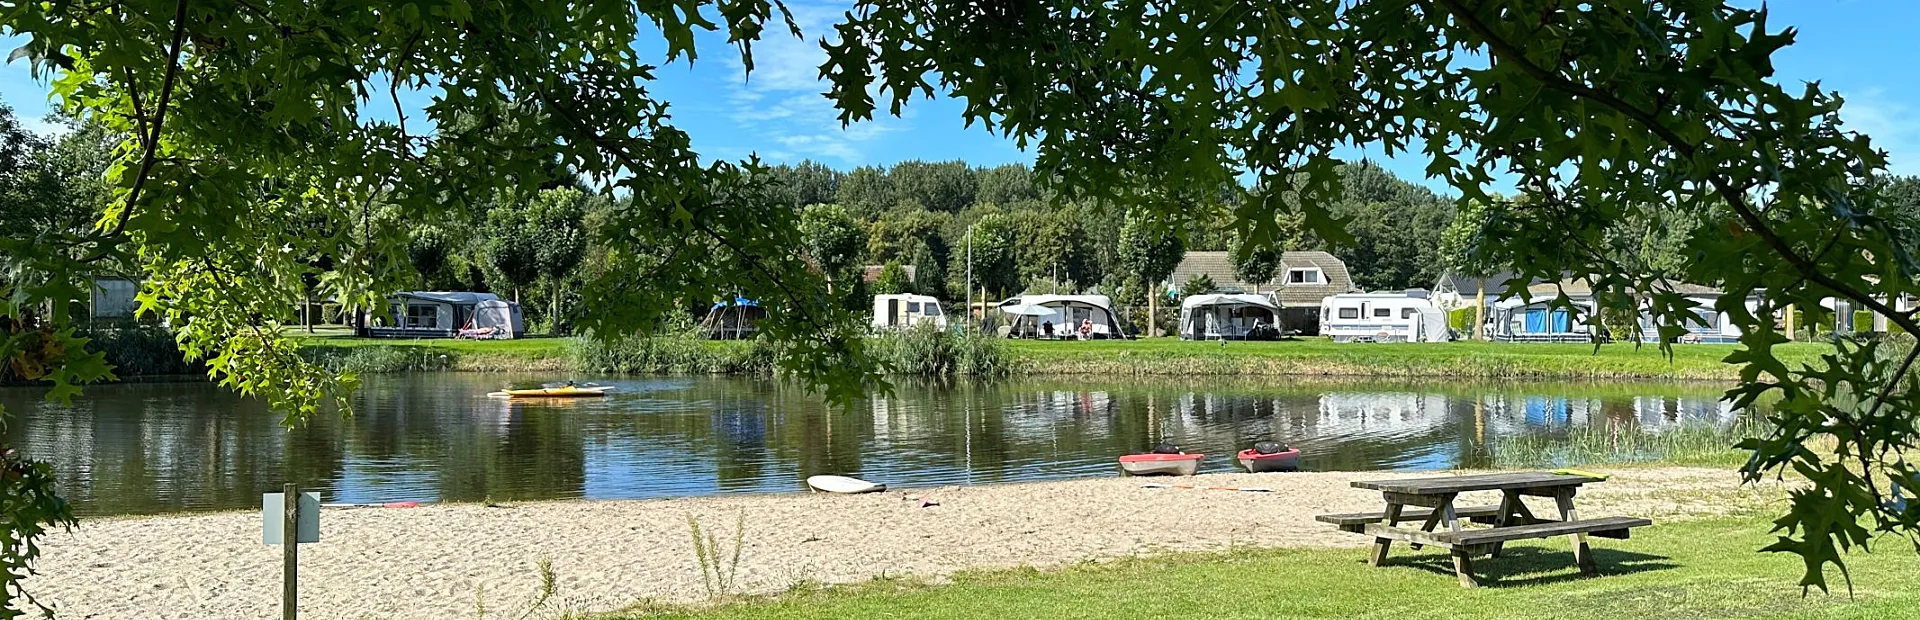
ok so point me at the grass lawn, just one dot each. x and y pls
(1170, 356)
(1451, 359)
(1681, 571)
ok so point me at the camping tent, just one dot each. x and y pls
(1029, 315)
(1232, 317)
(495, 319)
(733, 320)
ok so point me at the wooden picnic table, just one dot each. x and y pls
(1433, 499)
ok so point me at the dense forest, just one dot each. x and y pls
(919, 214)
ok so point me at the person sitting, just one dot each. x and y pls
(1046, 329)
(1086, 329)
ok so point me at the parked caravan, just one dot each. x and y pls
(902, 311)
(1034, 316)
(1383, 317)
(1229, 317)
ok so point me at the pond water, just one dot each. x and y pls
(143, 448)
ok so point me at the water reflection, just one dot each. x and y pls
(152, 448)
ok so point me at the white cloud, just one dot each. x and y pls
(1894, 127)
(781, 102)
(45, 126)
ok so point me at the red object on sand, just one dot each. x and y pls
(1286, 460)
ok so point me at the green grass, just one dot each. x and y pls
(1156, 356)
(1168, 356)
(1670, 571)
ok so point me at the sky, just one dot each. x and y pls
(1867, 50)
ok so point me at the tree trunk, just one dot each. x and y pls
(1153, 309)
(1480, 313)
(554, 330)
(306, 311)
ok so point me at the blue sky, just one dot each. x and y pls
(1865, 49)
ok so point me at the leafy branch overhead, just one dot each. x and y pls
(1608, 111)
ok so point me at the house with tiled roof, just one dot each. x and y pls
(1303, 279)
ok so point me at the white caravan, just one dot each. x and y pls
(903, 311)
(1383, 317)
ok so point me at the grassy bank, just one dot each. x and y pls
(1483, 360)
(1152, 357)
(1679, 570)
(368, 355)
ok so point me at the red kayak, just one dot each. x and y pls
(1161, 464)
(1286, 460)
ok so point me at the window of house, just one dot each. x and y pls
(1349, 313)
(1305, 275)
(423, 316)
(1383, 312)
(1407, 313)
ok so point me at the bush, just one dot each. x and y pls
(142, 351)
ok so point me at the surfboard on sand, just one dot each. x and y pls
(843, 484)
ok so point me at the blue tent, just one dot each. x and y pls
(737, 301)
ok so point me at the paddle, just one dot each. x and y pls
(384, 505)
(1157, 485)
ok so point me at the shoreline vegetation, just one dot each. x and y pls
(923, 355)
(149, 352)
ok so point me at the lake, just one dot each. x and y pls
(147, 448)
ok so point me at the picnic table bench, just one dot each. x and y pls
(1432, 500)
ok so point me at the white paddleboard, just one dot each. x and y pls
(843, 484)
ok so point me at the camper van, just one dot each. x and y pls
(1382, 317)
(903, 311)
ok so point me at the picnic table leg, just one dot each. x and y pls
(1380, 545)
(1582, 554)
(1463, 568)
(1433, 520)
(1509, 509)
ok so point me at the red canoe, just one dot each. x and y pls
(1167, 464)
(1288, 460)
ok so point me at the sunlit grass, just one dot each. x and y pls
(1679, 571)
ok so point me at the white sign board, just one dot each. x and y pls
(273, 510)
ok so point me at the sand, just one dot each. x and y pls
(439, 561)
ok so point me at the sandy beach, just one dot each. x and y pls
(437, 562)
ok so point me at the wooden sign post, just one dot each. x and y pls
(288, 519)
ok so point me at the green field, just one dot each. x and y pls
(1158, 356)
(1677, 571)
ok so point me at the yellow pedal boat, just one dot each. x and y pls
(565, 391)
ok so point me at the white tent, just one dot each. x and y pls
(1066, 312)
(1233, 317)
(495, 319)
